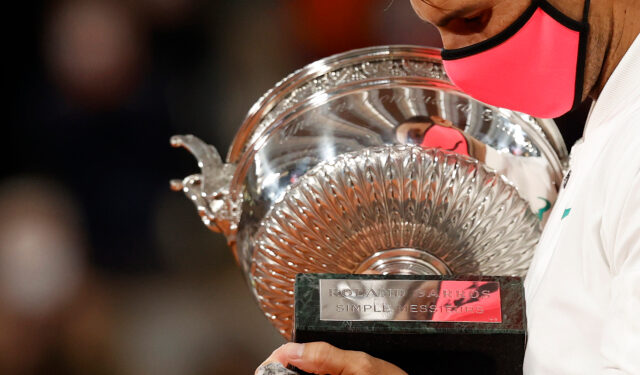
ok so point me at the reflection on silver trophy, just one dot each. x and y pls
(329, 174)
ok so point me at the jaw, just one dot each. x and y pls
(616, 24)
(597, 66)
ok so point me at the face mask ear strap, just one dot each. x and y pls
(585, 11)
(582, 56)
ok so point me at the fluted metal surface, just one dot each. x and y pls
(344, 214)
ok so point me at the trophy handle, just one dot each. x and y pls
(209, 190)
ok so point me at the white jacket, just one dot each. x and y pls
(583, 287)
(531, 175)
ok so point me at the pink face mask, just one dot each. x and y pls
(535, 66)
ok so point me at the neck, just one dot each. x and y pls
(625, 27)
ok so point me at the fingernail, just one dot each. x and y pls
(294, 351)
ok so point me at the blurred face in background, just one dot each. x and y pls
(94, 51)
(41, 267)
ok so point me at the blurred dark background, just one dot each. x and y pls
(103, 270)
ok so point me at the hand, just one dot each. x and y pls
(322, 358)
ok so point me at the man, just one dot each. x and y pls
(544, 58)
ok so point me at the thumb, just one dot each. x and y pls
(322, 358)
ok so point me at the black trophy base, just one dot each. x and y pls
(421, 347)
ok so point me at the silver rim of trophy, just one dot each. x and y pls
(318, 180)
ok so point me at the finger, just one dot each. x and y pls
(294, 354)
(322, 358)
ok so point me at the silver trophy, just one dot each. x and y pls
(319, 180)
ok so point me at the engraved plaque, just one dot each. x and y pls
(435, 324)
(408, 300)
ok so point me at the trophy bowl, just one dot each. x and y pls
(317, 178)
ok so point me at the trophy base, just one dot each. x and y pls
(403, 261)
(407, 332)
